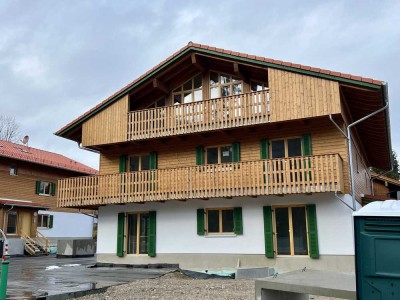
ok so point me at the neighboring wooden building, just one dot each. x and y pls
(384, 188)
(28, 185)
(214, 159)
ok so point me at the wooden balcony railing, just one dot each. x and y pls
(311, 174)
(228, 112)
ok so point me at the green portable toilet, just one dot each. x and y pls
(377, 250)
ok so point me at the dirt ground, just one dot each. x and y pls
(177, 286)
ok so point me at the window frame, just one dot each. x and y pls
(291, 238)
(219, 154)
(14, 212)
(220, 223)
(140, 161)
(13, 170)
(219, 85)
(264, 85)
(182, 91)
(156, 105)
(40, 221)
(138, 226)
(50, 188)
(285, 141)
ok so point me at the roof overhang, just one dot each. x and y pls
(218, 53)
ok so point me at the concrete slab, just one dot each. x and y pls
(323, 283)
(252, 273)
(32, 277)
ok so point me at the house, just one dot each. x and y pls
(219, 159)
(28, 204)
(384, 188)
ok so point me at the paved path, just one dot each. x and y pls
(48, 275)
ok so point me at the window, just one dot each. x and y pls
(291, 230)
(137, 229)
(216, 221)
(45, 188)
(286, 148)
(45, 221)
(220, 220)
(139, 163)
(159, 103)
(219, 154)
(13, 170)
(136, 233)
(12, 222)
(258, 86)
(190, 91)
(223, 85)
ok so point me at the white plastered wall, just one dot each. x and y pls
(177, 225)
(68, 225)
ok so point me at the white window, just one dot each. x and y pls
(223, 85)
(13, 170)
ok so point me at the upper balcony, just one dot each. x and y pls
(215, 114)
(295, 175)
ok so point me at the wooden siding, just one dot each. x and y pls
(108, 126)
(380, 189)
(26, 221)
(23, 186)
(310, 174)
(326, 139)
(295, 96)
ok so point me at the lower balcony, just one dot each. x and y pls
(297, 175)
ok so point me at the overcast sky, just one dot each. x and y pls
(60, 58)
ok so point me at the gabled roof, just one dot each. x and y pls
(42, 157)
(219, 52)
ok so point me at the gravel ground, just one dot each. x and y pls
(177, 286)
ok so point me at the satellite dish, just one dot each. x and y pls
(25, 140)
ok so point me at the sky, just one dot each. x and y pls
(58, 59)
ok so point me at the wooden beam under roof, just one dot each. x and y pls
(157, 84)
(239, 73)
(197, 63)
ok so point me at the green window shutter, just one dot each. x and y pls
(236, 152)
(312, 231)
(306, 144)
(238, 220)
(200, 221)
(153, 160)
(199, 156)
(37, 187)
(151, 242)
(121, 234)
(264, 149)
(53, 189)
(122, 163)
(51, 217)
(268, 232)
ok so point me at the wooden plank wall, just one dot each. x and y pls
(108, 126)
(295, 96)
(23, 186)
(326, 139)
(380, 189)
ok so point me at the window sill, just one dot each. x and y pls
(297, 255)
(219, 235)
(42, 228)
(46, 195)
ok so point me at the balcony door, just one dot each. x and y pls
(137, 239)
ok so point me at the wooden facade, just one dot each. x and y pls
(268, 103)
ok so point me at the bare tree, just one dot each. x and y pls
(9, 129)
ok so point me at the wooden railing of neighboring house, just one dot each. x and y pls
(221, 113)
(311, 174)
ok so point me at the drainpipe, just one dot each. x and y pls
(87, 149)
(349, 143)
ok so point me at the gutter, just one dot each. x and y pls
(87, 149)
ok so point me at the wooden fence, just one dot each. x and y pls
(228, 112)
(311, 174)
